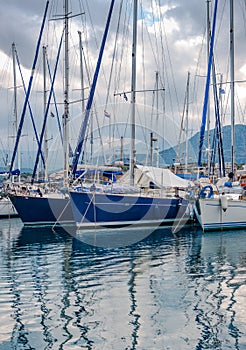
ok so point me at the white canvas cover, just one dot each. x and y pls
(163, 178)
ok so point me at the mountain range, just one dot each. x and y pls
(169, 155)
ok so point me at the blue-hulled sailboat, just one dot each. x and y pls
(137, 202)
(34, 207)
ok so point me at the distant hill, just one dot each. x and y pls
(169, 154)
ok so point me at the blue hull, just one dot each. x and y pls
(43, 210)
(122, 210)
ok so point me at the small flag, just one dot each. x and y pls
(222, 91)
(106, 114)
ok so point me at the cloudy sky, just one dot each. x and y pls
(177, 27)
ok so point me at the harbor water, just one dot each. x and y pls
(121, 289)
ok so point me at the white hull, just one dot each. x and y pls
(211, 215)
(6, 208)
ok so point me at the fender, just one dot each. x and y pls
(223, 202)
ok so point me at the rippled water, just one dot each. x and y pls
(164, 292)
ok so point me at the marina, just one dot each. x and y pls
(152, 194)
(122, 226)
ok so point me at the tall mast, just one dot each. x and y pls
(45, 104)
(82, 82)
(187, 124)
(28, 90)
(15, 103)
(183, 127)
(66, 98)
(157, 115)
(133, 94)
(232, 85)
(83, 127)
(81, 72)
(206, 95)
(157, 99)
(208, 110)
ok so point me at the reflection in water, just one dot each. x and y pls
(163, 292)
(215, 290)
(133, 303)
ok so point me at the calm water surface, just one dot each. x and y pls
(76, 290)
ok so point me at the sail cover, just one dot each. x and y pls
(162, 178)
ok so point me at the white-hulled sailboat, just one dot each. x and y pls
(223, 205)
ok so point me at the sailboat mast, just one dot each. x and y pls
(82, 82)
(157, 115)
(232, 85)
(208, 110)
(15, 102)
(28, 91)
(133, 94)
(157, 99)
(45, 104)
(83, 127)
(187, 124)
(81, 72)
(66, 98)
(206, 95)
